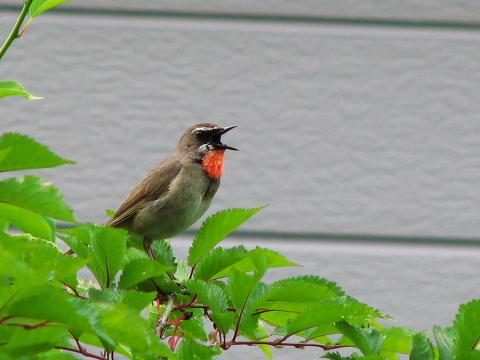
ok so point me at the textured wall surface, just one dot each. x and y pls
(343, 128)
(463, 11)
(340, 129)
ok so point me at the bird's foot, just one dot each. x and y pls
(147, 245)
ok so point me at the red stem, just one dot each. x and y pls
(29, 327)
(81, 352)
(276, 343)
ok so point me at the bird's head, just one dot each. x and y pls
(203, 143)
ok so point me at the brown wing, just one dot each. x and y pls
(151, 188)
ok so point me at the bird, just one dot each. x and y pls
(178, 191)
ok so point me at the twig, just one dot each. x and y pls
(276, 343)
(14, 34)
(30, 327)
(162, 323)
(81, 352)
(2, 320)
(75, 292)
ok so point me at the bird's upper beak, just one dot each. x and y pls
(221, 132)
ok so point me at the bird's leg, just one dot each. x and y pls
(147, 245)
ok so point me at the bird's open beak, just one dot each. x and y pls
(223, 131)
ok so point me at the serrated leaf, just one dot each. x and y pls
(195, 328)
(139, 270)
(55, 354)
(113, 323)
(369, 341)
(28, 343)
(217, 260)
(272, 259)
(35, 194)
(27, 221)
(212, 295)
(22, 152)
(399, 340)
(209, 294)
(103, 246)
(191, 350)
(445, 338)
(422, 348)
(28, 262)
(467, 329)
(163, 252)
(134, 299)
(40, 6)
(215, 229)
(338, 356)
(303, 289)
(330, 311)
(14, 88)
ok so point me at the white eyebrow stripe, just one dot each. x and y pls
(198, 129)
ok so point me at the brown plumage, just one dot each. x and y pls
(179, 190)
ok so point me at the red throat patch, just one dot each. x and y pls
(213, 163)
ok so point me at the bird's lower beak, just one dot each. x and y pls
(223, 131)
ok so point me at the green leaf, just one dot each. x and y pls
(398, 340)
(215, 229)
(303, 289)
(40, 6)
(195, 328)
(113, 323)
(213, 295)
(134, 299)
(27, 221)
(12, 88)
(272, 259)
(338, 356)
(209, 294)
(27, 261)
(103, 246)
(467, 328)
(22, 152)
(217, 260)
(243, 290)
(422, 348)
(33, 193)
(192, 350)
(163, 252)
(369, 341)
(330, 311)
(139, 270)
(445, 338)
(30, 342)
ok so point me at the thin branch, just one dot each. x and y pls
(2, 320)
(75, 292)
(276, 343)
(14, 34)
(81, 352)
(192, 271)
(28, 326)
(162, 323)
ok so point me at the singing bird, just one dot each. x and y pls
(178, 191)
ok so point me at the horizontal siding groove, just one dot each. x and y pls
(255, 235)
(266, 18)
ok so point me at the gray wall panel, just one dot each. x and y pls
(414, 10)
(342, 129)
(420, 286)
